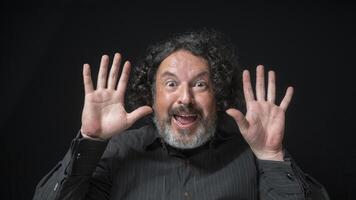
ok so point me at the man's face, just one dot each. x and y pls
(184, 104)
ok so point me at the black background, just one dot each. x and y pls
(43, 48)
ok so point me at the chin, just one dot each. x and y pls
(188, 137)
(185, 138)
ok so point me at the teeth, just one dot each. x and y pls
(186, 118)
(187, 115)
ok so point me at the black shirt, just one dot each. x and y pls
(137, 164)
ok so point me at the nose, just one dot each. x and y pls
(186, 96)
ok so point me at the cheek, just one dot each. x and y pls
(207, 104)
(163, 103)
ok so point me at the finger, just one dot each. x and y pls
(287, 98)
(114, 71)
(88, 83)
(121, 86)
(260, 83)
(248, 92)
(103, 71)
(239, 118)
(271, 92)
(138, 113)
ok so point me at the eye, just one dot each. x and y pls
(171, 84)
(200, 84)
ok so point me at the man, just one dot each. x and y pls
(191, 150)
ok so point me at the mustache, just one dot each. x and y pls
(185, 109)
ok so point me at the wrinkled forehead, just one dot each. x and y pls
(184, 64)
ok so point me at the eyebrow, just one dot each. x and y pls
(167, 73)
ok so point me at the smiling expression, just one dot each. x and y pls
(184, 103)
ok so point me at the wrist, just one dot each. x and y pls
(91, 137)
(270, 155)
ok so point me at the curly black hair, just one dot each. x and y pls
(214, 46)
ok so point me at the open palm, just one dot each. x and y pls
(104, 111)
(264, 122)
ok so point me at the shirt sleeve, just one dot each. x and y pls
(70, 178)
(285, 180)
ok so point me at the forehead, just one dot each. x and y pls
(183, 61)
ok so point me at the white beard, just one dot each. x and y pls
(185, 139)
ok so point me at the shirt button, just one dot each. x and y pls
(290, 176)
(55, 187)
(78, 156)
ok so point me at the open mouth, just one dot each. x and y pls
(185, 120)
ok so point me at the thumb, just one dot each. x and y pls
(239, 118)
(138, 113)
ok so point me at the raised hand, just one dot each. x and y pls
(104, 113)
(264, 122)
